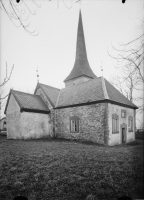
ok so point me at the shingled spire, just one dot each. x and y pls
(81, 66)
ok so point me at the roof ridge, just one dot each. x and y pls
(46, 95)
(83, 74)
(50, 86)
(104, 88)
(37, 97)
(34, 95)
(24, 93)
(57, 99)
(82, 83)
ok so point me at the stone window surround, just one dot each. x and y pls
(123, 111)
(130, 124)
(75, 118)
(116, 117)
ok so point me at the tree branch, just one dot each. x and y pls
(7, 78)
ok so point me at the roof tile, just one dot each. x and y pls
(88, 91)
(116, 96)
(29, 101)
(50, 92)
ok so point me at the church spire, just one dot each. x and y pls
(81, 65)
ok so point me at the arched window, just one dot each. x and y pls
(74, 124)
(130, 123)
(115, 123)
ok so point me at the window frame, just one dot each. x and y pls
(75, 119)
(130, 124)
(115, 123)
(123, 111)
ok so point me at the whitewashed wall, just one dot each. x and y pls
(13, 116)
(35, 125)
(26, 125)
(116, 138)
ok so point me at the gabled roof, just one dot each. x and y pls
(81, 65)
(85, 92)
(116, 96)
(50, 92)
(92, 91)
(95, 90)
(28, 102)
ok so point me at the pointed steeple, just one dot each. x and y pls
(81, 65)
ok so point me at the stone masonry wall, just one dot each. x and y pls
(91, 122)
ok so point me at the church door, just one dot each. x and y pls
(123, 135)
(123, 128)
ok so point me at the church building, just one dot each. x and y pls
(89, 108)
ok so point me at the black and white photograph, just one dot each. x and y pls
(71, 99)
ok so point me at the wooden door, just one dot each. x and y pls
(123, 135)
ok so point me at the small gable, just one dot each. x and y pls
(50, 93)
(12, 105)
(27, 102)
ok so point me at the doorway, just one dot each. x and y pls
(123, 135)
(123, 128)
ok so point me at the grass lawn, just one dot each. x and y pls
(69, 170)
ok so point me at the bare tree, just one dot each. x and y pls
(128, 84)
(132, 54)
(130, 67)
(3, 96)
(18, 11)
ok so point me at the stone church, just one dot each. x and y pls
(89, 108)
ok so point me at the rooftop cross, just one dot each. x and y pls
(37, 75)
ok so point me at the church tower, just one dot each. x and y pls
(81, 71)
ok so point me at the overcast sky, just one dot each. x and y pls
(52, 51)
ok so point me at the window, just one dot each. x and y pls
(123, 113)
(115, 123)
(130, 123)
(74, 124)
